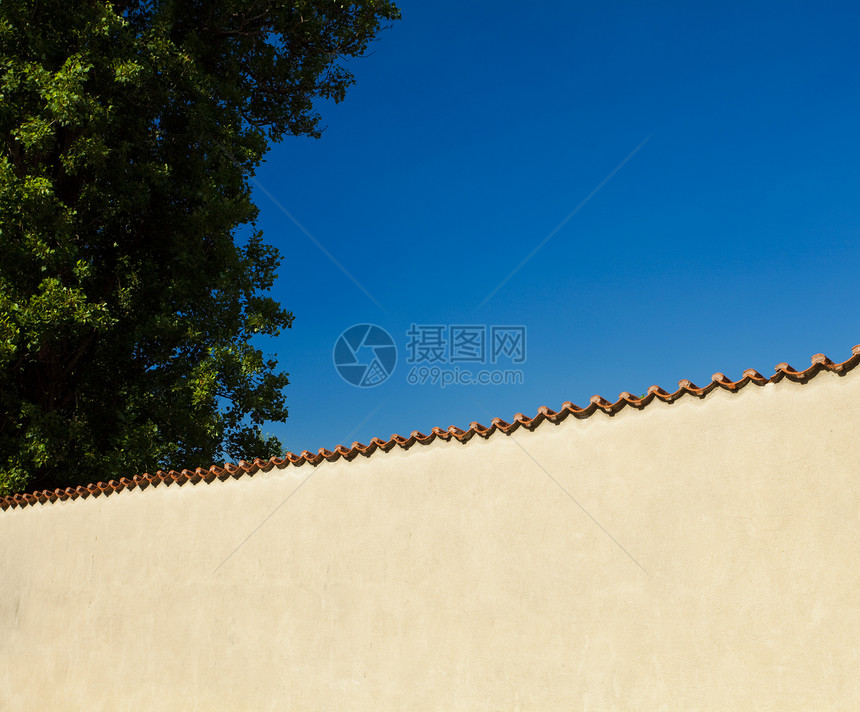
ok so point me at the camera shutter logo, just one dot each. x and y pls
(365, 355)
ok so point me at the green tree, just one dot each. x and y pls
(127, 300)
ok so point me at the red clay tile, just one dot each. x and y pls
(820, 362)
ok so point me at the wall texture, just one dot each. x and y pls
(694, 555)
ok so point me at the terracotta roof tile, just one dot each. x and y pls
(820, 363)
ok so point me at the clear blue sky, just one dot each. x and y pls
(728, 241)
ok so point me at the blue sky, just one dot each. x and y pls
(729, 240)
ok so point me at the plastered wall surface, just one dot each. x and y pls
(701, 555)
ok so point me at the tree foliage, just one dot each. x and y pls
(127, 301)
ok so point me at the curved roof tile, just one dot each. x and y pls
(820, 363)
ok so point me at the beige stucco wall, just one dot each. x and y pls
(723, 573)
